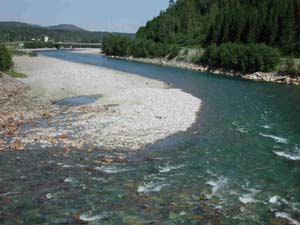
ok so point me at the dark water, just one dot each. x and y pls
(239, 164)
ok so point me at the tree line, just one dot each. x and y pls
(203, 22)
(15, 31)
(123, 46)
(245, 35)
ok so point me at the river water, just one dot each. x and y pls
(238, 164)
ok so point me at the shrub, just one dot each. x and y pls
(290, 66)
(196, 58)
(5, 59)
(174, 52)
(115, 45)
(242, 57)
(210, 56)
(140, 48)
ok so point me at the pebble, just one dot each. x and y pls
(135, 112)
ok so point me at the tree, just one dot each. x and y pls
(5, 59)
(287, 32)
(241, 57)
(291, 68)
(203, 22)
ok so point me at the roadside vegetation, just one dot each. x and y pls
(236, 34)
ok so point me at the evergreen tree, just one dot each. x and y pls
(287, 30)
(273, 22)
(5, 59)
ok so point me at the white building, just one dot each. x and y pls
(46, 39)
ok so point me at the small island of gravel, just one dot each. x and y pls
(131, 111)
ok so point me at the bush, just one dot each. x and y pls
(242, 57)
(291, 67)
(186, 52)
(139, 49)
(5, 59)
(174, 52)
(115, 45)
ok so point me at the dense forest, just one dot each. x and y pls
(15, 31)
(203, 22)
(243, 35)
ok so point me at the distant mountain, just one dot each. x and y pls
(18, 31)
(68, 27)
(17, 24)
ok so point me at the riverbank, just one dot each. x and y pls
(221, 170)
(257, 76)
(16, 110)
(130, 111)
(77, 50)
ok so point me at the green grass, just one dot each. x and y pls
(15, 74)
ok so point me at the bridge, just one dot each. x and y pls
(77, 45)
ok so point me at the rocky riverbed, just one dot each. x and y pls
(128, 112)
(16, 110)
(257, 76)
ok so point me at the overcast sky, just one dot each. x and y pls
(94, 15)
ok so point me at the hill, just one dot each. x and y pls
(12, 24)
(17, 31)
(203, 22)
(68, 27)
(244, 36)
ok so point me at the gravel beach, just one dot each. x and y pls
(132, 111)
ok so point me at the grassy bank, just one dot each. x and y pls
(15, 74)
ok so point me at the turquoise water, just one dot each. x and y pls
(238, 164)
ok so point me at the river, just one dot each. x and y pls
(238, 164)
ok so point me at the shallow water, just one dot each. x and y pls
(238, 164)
(79, 100)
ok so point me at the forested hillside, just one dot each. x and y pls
(203, 22)
(15, 31)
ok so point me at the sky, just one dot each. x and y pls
(94, 15)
